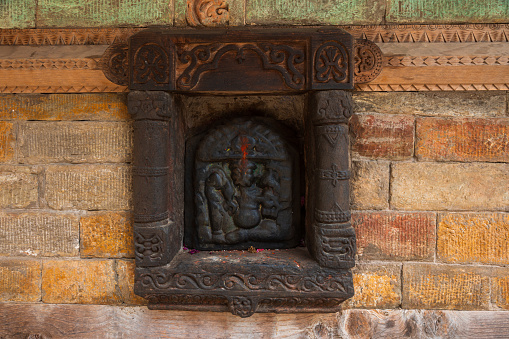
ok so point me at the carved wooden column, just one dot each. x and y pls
(330, 235)
(157, 235)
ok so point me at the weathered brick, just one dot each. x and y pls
(464, 139)
(382, 136)
(17, 13)
(87, 106)
(79, 282)
(39, 234)
(435, 286)
(88, 187)
(107, 235)
(475, 103)
(96, 13)
(473, 237)
(7, 141)
(395, 235)
(369, 185)
(18, 187)
(500, 289)
(446, 11)
(444, 186)
(42, 142)
(333, 12)
(376, 286)
(125, 271)
(20, 280)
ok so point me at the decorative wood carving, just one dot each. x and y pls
(211, 13)
(115, 63)
(368, 61)
(236, 60)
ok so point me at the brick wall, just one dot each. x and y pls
(429, 198)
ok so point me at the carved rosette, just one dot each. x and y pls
(115, 64)
(210, 13)
(332, 236)
(368, 61)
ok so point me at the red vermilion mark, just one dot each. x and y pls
(244, 144)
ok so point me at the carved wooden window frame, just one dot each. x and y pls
(319, 63)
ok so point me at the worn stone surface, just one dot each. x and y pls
(75, 142)
(18, 187)
(435, 286)
(107, 235)
(332, 12)
(97, 106)
(125, 271)
(445, 186)
(96, 13)
(395, 235)
(376, 286)
(369, 185)
(80, 282)
(463, 139)
(88, 187)
(382, 136)
(7, 141)
(486, 104)
(446, 11)
(500, 289)
(286, 108)
(20, 280)
(39, 234)
(473, 237)
(17, 13)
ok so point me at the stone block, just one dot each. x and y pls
(7, 141)
(446, 11)
(107, 235)
(473, 238)
(382, 136)
(433, 286)
(125, 271)
(20, 280)
(485, 104)
(88, 187)
(376, 286)
(500, 289)
(463, 139)
(302, 12)
(96, 13)
(18, 187)
(446, 186)
(395, 235)
(369, 185)
(71, 106)
(75, 142)
(80, 282)
(39, 234)
(17, 13)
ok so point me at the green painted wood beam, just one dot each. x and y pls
(17, 13)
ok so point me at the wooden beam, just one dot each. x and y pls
(100, 321)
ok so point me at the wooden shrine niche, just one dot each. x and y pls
(240, 183)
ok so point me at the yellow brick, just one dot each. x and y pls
(7, 141)
(80, 282)
(20, 280)
(107, 235)
(125, 270)
(500, 290)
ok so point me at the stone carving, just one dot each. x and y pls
(151, 64)
(205, 58)
(331, 107)
(368, 61)
(244, 186)
(150, 105)
(331, 62)
(207, 13)
(115, 63)
(148, 245)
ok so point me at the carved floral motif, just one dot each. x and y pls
(207, 13)
(151, 64)
(116, 63)
(368, 61)
(148, 246)
(331, 62)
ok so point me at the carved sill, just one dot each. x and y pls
(316, 279)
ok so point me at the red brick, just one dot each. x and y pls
(463, 139)
(474, 237)
(382, 136)
(433, 286)
(395, 235)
